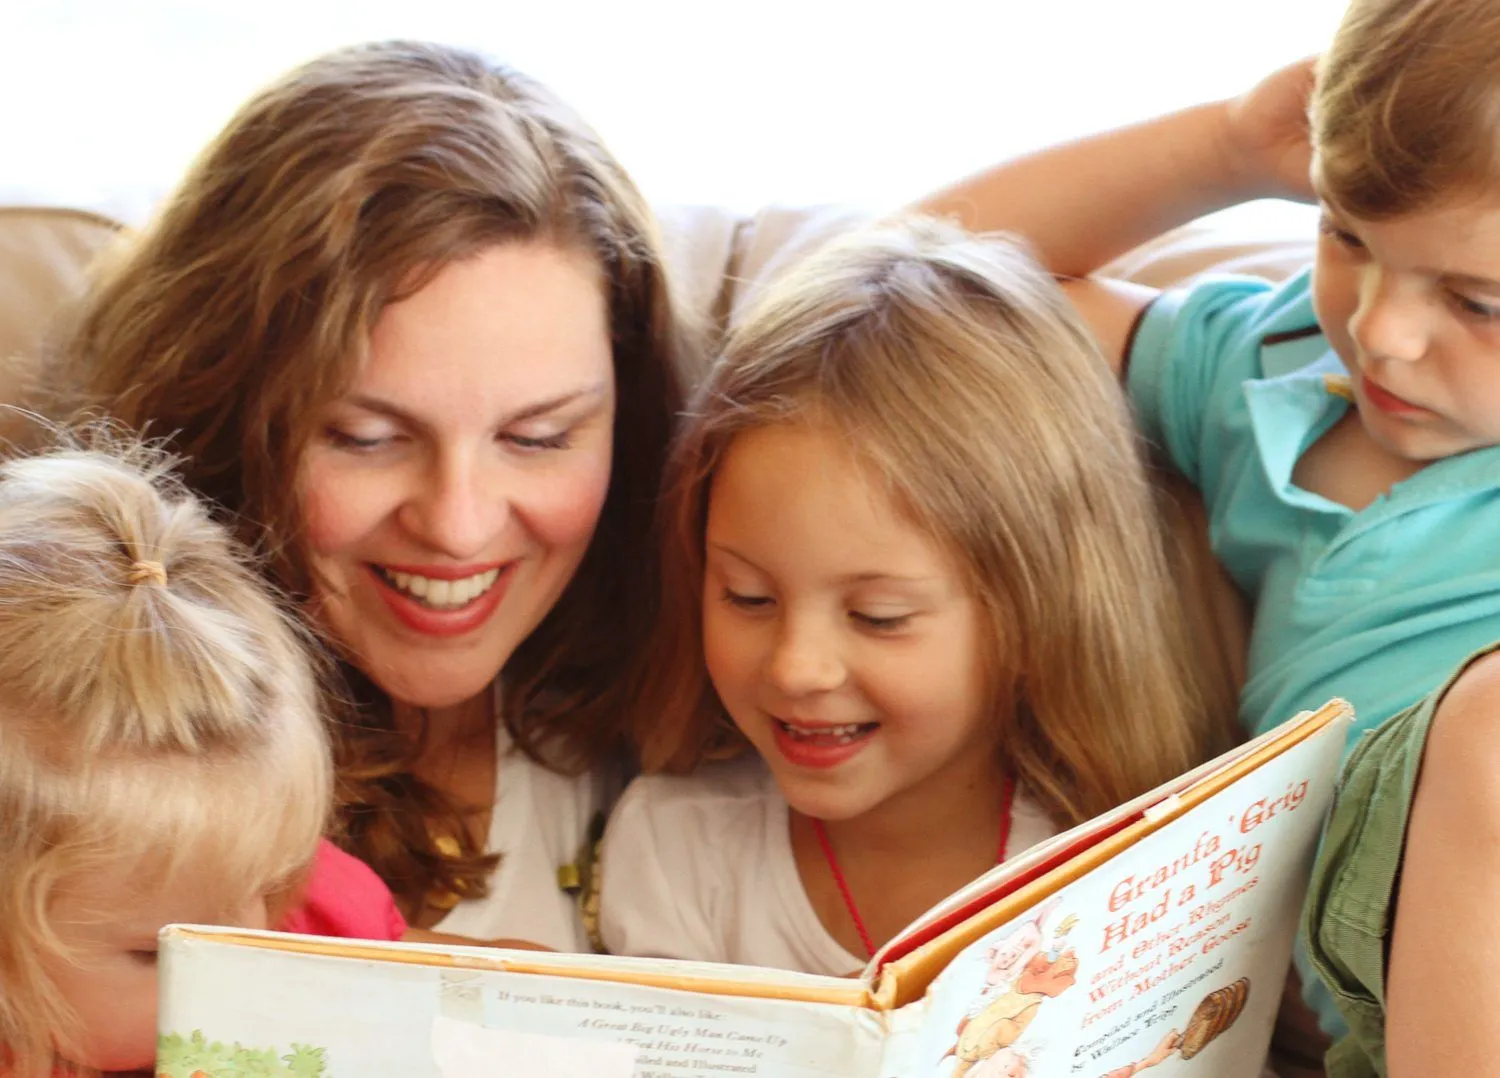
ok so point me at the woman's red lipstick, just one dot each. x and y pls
(430, 621)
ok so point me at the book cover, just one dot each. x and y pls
(1154, 938)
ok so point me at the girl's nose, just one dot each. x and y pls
(805, 660)
(1390, 322)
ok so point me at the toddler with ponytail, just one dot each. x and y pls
(162, 754)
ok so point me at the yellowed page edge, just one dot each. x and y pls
(857, 995)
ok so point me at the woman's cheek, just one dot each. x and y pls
(332, 508)
(564, 511)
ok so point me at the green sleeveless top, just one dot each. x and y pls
(1351, 901)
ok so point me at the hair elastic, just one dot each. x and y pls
(148, 572)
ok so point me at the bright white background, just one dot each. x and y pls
(103, 102)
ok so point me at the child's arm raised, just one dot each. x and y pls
(1083, 203)
(1444, 973)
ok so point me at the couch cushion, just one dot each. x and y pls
(1224, 244)
(44, 254)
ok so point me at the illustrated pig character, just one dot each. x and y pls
(1020, 976)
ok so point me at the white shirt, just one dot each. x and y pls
(700, 867)
(539, 823)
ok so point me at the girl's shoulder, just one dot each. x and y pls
(683, 853)
(716, 804)
(345, 899)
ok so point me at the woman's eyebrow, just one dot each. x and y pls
(392, 410)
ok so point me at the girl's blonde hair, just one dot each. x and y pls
(956, 370)
(247, 306)
(158, 711)
(1406, 112)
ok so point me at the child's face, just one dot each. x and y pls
(1412, 306)
(108, 978)
(839, 637)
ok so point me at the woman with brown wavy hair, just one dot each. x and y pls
(407, 321)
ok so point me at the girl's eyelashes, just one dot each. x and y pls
(1464, 304)
(1341, 236)
(889, 623)
(1486, 312)
(879, 623)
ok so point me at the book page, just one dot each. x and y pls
(1172, 954)
(231, 1007)
(1083, 846)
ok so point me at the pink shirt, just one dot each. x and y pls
(344, 898)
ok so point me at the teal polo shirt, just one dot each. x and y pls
(1233, 380)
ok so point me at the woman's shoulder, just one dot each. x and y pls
(539, 807)
(554, 791)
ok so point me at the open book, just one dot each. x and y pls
(1157, 935)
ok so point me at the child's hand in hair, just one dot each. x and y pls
(1268, 132)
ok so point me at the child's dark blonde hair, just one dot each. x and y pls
(157, 711)
(957, 372)
(1407, 108)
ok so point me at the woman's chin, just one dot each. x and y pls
(436, 694)
(428, 682)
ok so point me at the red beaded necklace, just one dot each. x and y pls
(1007, 799)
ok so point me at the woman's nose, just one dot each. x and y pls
(459, 510)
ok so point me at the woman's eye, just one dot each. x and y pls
(742, 601)
(342, 439)
(533, 443)
(144, 957)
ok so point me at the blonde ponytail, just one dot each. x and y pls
(158, 710)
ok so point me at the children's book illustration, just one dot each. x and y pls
(1021, 975)
(1213, 1015)
(194, 1056)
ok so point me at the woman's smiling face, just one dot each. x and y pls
(449, 495)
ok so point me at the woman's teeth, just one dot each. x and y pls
(441, 594)
(840, 735)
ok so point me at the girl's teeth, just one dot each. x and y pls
(842, 735)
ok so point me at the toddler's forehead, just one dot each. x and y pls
(135, 895)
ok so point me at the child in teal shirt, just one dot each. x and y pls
(1342, 427)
